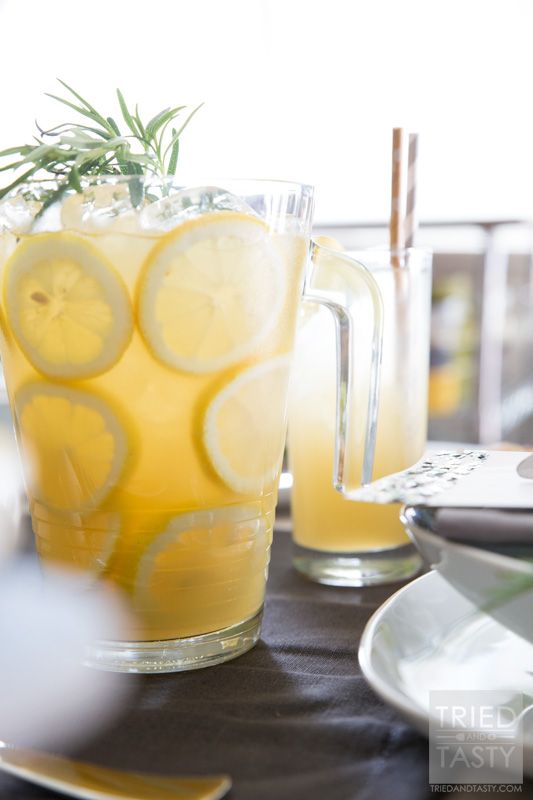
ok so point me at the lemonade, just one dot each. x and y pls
(340, 541)
(147, 361)
(323, 519)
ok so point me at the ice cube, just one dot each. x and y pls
(49, 220)
(17, 214)
(99, 208)
(168, 212)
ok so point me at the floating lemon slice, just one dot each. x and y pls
(67, 307)
(204, 571)
(73, 444)
(210, 292)
(191, 539)
(329, 242)
(244, 426)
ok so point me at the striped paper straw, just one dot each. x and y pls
(396, 218)
(410, 215)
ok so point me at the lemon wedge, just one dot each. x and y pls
(67, 307)
(244, 426)
(210, 292)
(75, 449)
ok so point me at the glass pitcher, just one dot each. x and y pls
(147, 332)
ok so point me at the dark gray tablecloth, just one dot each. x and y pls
(291, 720)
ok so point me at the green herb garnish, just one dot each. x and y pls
(70, 151)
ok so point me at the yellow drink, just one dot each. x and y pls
(147, 372)
(323, 518)
(327, 526)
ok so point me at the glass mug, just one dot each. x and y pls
(338, 541)
(147, 337)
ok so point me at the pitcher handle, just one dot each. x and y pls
(344, 352)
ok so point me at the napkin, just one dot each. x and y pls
(485, 526)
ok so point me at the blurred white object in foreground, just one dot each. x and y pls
(47, 697)
(12, 497)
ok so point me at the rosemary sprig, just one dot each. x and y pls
(71, 150)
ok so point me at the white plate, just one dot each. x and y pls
(428, 637)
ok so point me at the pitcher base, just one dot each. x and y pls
(176, 655)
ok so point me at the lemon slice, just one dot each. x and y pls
(193, 539)
(244, 426)
(210, 292)
(74, 446)
(205, 571)
(329, 242)
(67, 307)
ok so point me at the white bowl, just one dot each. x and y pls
(486, 554)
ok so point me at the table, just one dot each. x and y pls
(293, 719)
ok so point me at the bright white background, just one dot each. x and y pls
(305, 90)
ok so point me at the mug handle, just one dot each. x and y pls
(345, 351)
